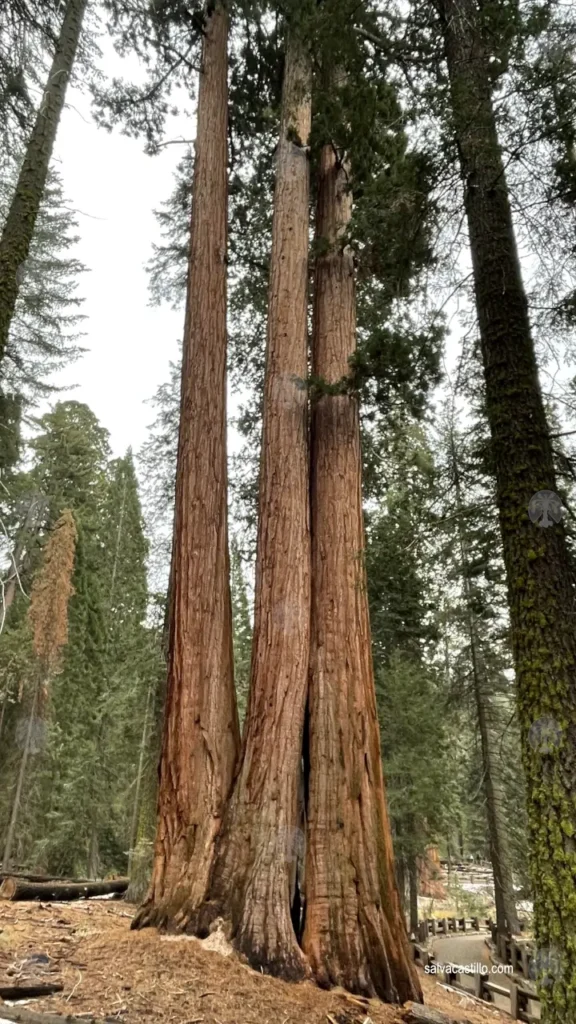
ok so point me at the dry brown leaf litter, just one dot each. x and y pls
(109, 971)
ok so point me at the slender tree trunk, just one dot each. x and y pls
(3, 712)
(506, 913)
(19, 785)
(141, 858)
(201, 734)
(355, 933)
(261, 840)
(29, 528)
(413, 883)
(139, 776)
(93, 864)
(540, 581)
(18, 230)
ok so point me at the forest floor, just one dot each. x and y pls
(111, 972)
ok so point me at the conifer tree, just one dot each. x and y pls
(538, 565)
(18, 229)
(253, 878)
(201, 735)
(49, 619)
(354, 932)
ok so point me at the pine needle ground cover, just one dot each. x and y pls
(114, 973)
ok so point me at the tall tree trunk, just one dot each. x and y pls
(506, 913)
(540, 581)
(19, 227)
(93, 862)
(413, 883)
(355, 933)
(260, 841)
(144, 744)
(28, 530)
(143, 829)
(201, 734)
(16, 803)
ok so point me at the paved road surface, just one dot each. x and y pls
(469, 951)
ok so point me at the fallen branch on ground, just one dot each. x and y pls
(418, 1014)
(21, 1015)
(29, 991)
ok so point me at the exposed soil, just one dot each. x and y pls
(131, 977)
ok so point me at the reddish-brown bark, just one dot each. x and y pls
(355, 933)
(201, 735)
(254, 869)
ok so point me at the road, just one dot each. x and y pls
(469, 951)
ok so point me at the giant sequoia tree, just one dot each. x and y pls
(355, 932)
(201, 733)
(253, 878)
(538, 566)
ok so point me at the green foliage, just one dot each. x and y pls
(80, 790)
(414, 727)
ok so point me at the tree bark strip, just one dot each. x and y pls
(201, 733)
(539, 573)
(261, 840)
(355, 934)
(18, 230)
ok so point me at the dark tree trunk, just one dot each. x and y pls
(355, 933)
(200, 733)
(253, 880)
(540, 581)
(19, 889)
(18, 229)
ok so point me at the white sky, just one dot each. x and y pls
(115, 187)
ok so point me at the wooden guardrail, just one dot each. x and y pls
(520, 999)
(445, 925)
(518, 955)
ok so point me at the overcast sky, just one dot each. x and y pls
(115, 187)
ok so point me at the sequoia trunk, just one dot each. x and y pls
(261, 839)
(355, 934)
(21, 220)
(540, 584)
(200, 734)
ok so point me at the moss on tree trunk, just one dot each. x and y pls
(540, 582)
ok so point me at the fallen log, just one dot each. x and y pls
(418, 1014)
(29, 991)
(22, 1015)
(28, 876)
(19, 889)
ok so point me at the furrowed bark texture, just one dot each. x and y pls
(260, 840)
(540, 582)
(18, 229)
(355, 934)
(200, 734)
